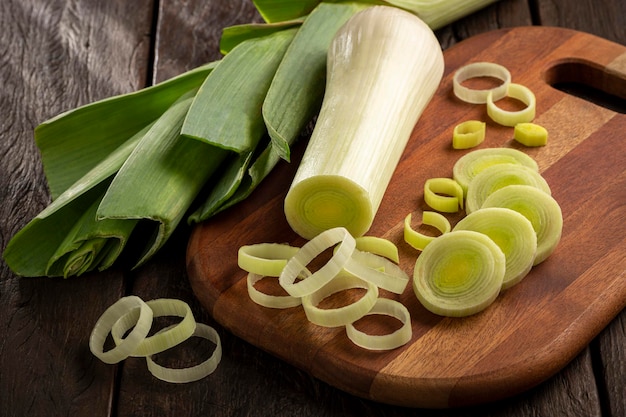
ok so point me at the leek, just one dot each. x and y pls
(375, 93)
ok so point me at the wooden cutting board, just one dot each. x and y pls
(533, 329)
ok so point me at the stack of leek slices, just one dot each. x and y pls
(129, 321)
(512, 223)
(367, 263)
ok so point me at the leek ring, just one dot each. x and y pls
(268, 300)
(389, 341)
(511, 118)
(480, 69)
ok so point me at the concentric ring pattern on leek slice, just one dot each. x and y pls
(498, 176)
(473, 162)
(514, 235)
(459, 274)
(540, 208)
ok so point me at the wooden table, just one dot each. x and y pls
(56, 55)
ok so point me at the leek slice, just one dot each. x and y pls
(193, 373)
(268, 300)
(375, 93)
(511, 118)
(540, 208)
(297, 89)
(443, 194)
(106, 322)
(468, 134)
(313, 248)
(498, 176)
(379, 246)
(473, 162)
(419, 240)
(165, 339)
(481, 69)
(232, 121)
(340, 316)
(514, 235)
(530, 134)
(389, 341)
(265, 259)
(377, 270)
(459, 274)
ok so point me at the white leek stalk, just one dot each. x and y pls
(384, 66)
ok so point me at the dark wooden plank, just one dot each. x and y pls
(56, 55)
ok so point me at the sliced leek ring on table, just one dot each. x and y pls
(473, 162)
(193, 373)
(540, 208)
(379, 246)
(309, 251)
(498, 176)
(419, 240)
(389, 341)
(459, 274)
(163, 340)
(340, 316)
(511, 118)
(443, 194)
(268, 300)
(377, 270)
(514, 235)
(106, 322)
(480, 69)
(265, 259)
(468, 134)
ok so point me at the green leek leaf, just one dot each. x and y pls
(281, 10)
(29, 252)
(234, 35)
(297, 89)
(73, 142)
(226, 112)
(162, 177)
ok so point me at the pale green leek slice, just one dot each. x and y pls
(511, 118)
(107, 320)
(419, 240)
(161, 178)
(74, 142)
(163, 340)
(468, 134)
(377, 270)
(530, 134)
(459, 274)
(346, 314)
(309, 251)
(269, 300)
(229, 120)
(514, 235)
(475, 161)
(498, 176)
(375, 93)
(379, 246)
(393, 340)
(540, 208)
(443, 194)
(265, 259)
(192, 373)
(476, 70)
(234, 35)
(296, 92)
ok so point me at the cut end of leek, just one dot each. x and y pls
(530, 134)
(325, 202)
(459, 274)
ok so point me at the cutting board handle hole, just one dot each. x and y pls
(589, 81)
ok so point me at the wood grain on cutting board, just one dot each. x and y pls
(533, 329)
